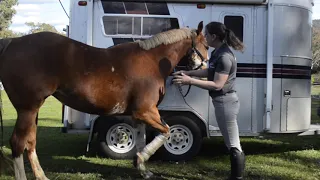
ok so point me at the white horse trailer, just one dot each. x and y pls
(273, 77)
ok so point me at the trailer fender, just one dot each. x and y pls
(202, 123)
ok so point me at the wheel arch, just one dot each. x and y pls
(202, 124)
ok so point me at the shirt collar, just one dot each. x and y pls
(220, 49)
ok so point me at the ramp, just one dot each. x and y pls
(313, 130)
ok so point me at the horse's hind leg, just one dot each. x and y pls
(24, 137)
(152, 118)
(140, 133)
(32, 155)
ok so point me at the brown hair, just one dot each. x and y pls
(225, 34)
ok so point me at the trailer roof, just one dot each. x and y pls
(204, 1)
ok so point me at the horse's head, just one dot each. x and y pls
(198, 53)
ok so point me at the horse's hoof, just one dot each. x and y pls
(147, 175)
(135, 161)
(44, 178)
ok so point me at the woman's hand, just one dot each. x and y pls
(181, 78)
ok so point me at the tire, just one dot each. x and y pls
(109, 143)
(185, 139)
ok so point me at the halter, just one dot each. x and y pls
(194, 50)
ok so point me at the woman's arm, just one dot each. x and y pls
(198, 73)
(220, 77)
(217, 84)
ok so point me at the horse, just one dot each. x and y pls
(127, 79)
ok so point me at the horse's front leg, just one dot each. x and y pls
(140, 134)
(151, 117)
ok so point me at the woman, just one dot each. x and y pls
(221, 76)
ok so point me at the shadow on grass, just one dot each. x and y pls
(269, 144)
(53, 143)
(77, 169)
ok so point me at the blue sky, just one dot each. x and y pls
(51, 12)
(46, 11)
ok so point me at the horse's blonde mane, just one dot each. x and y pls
(167, 37)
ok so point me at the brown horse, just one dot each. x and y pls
(124, 79)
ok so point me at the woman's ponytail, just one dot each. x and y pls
(225, 34)
(233, 41)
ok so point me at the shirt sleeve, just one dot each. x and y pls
(224, 65)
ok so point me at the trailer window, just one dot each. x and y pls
(122, 25)
(117, 41)
(235, 23)
(125, 25)
(113, 7)
(158, 8)
(120, 7)
(135, 8)
(153, 25)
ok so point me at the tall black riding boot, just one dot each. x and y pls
(237, 160)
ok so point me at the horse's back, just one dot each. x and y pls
(80, 75)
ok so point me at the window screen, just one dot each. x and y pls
(135, 8)
(120, 7)
(235, 23)
(123, 25)
(117, 41)
(152, 26)
(113, 7)
(158, 8)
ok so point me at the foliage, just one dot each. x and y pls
(316, 46)
(6, 13)
(39, 27)
(6, 33)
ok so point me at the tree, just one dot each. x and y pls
(39, 27)
(316, 46)
(6, 33)
(6, 13)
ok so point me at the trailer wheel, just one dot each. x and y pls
(185, 139)
(117, 139)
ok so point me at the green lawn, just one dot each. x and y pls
(62, 156)
(315, 90)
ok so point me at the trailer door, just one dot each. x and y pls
(239, 20)
(292, 66)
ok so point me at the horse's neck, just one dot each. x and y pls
(176, 51)
(170, 55)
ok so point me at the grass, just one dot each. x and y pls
(315, 90)
(62, 156)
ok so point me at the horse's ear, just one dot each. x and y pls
(200, 27)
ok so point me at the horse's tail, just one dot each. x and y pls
(2, 155)
(4, 44)
(4, 161)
